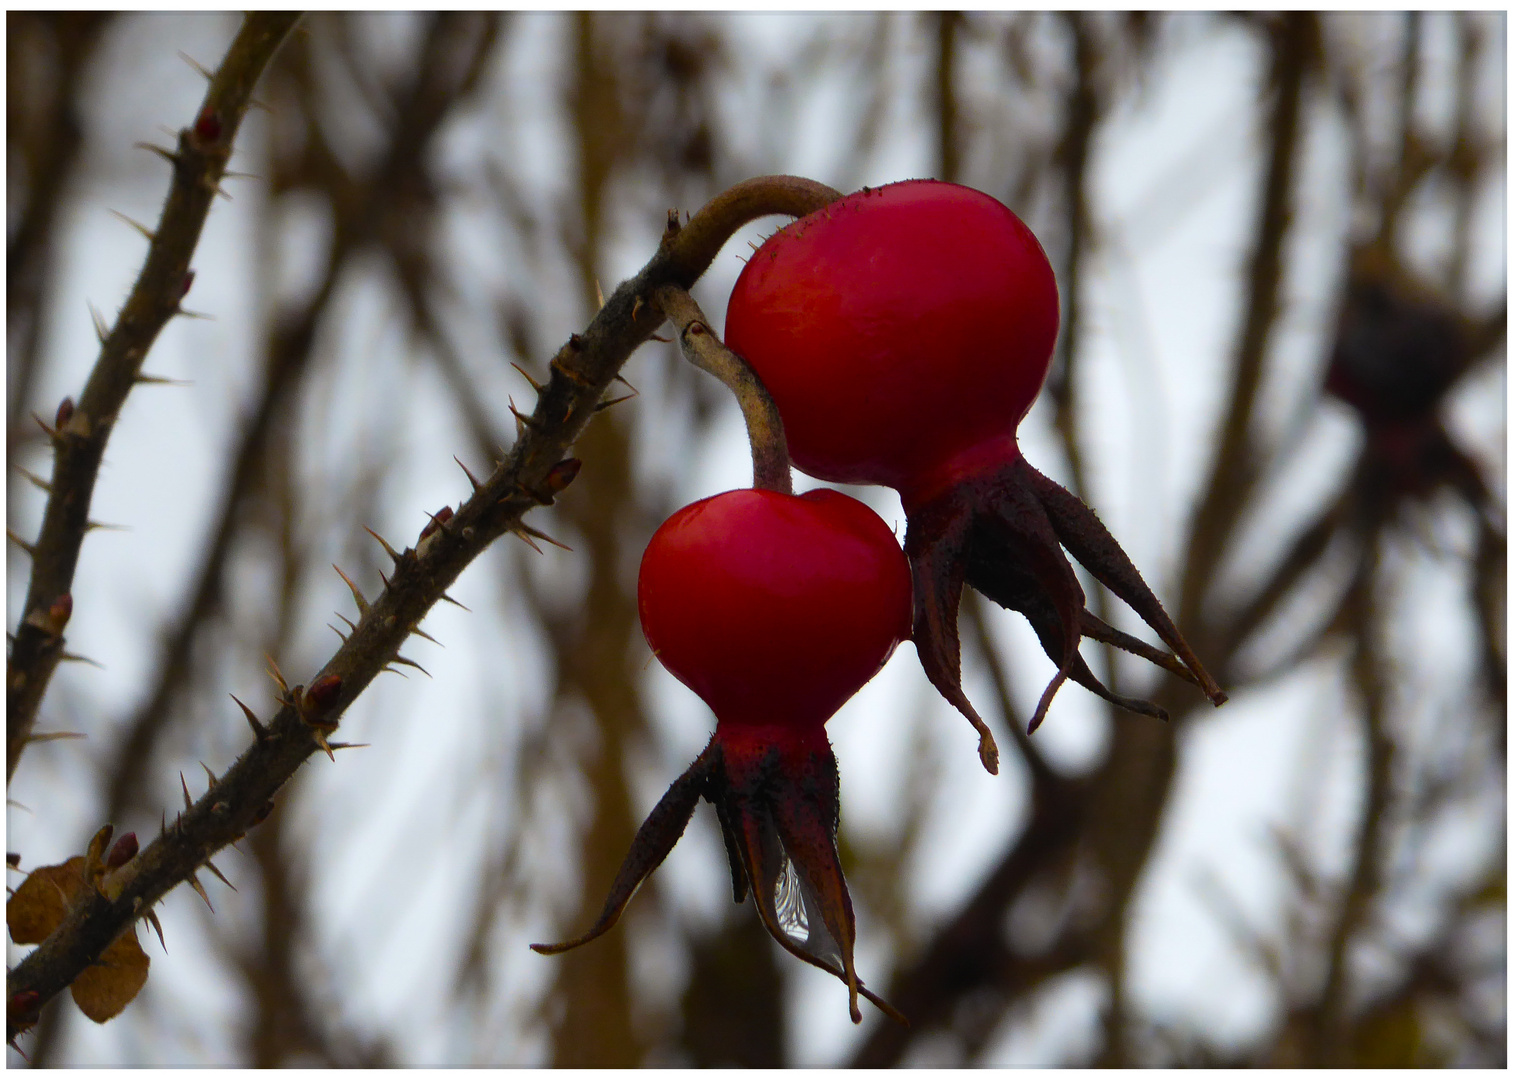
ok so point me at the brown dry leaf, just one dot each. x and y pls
(104, 988)
(34, 912)
(42, 900)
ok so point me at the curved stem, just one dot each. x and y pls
(691, 248)
(703, 349)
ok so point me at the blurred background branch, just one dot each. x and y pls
(1279, 380)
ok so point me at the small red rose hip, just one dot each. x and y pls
(774, 608)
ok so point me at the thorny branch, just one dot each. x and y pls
(79, 431)
(579, 374)
(288, 354)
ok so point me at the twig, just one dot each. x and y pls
(702, 348)
(78, 445)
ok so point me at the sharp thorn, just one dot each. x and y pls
(273, 670)
(400, 659)
(598, 288)
(322, 741)
(37, 481)
(211, 777)
(232, 174)
(341, 636)
(600, 406)
(385, 581)
(395, 671)
(195, 883)
(395, 557)
(259, 729)
(219, 875)
(532, 531)
(475, 484)
(185, 790)
(153, 921)
(207, 75)
(359, 597)
(538, 387)
(626, 382)
(189, 314)
(159, 380)
(255, 103)
(76, 658)
(47, 428)
(22, 544)
(347, 745)
(662, 340)
(91, 526)
(426, 636)
(527, 421)
(347, 621)
(525, 538)
(167, 155)
(53, 736)
(139, 226)
(450, 599)
(102, 331)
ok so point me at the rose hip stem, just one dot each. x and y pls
(770, 467)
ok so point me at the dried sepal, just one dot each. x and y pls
(1004, 530)
(653, 842)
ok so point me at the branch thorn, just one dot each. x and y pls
(139, 226)
(395, 557)
(259, 729)
(195, 883)
(359, 597)
(102, 331)
(539, 388)
(219, 875)
(475, 484)
(153, 921)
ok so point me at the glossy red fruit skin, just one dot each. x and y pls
(774, 608)
(937, 339)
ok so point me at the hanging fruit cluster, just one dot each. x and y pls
(897, 336)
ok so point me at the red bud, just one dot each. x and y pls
(59, 612)
(561, 474)
(189, 280)
(322, 695)
(438, 519)
(208, 126)
(122, 851)
(65, 411)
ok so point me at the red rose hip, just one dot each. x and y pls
(774, 608)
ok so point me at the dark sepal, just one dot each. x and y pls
(654, 841)
(936, 543)
(783, 818)
(1090, 542)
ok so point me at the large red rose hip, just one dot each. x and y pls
(773, 608)
(903, 332)
(927, 308)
